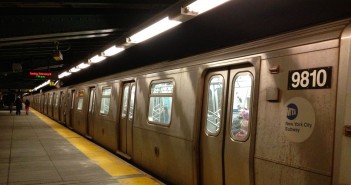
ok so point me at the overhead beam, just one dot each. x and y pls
(56, 37)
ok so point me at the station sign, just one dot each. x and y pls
(42, 75)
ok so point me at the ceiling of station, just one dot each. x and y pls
(31, 31)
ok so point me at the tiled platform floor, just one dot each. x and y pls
(36, 150)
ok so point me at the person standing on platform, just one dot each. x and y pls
(27, 104)
(18, 104)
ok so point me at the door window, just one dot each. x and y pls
(50, 99)
(214, 105)
(92, 100)
(132, 100)
(56, 99)
(80, 103)
(125, 101)
(240, 119)
(73, 96)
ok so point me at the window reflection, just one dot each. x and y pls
(241, 106)
(132, 98)
(105, 100)
(125, 101)
(214, 104)
(80, 103)
(160, 103)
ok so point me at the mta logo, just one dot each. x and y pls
(292, 111)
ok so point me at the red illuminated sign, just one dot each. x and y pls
(42, 75)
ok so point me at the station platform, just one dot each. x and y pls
(37, 150)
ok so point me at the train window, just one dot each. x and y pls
(160, 103)
(214, 104)
(73, 97)
(240, 119)
(92, 100)
(50, 99)
(132, 100)
(80, 103)
(125, 101)
(57, 100)
(105, 100)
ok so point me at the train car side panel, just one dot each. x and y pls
(105, 115)
(80, 110)
(288, 136)
(342, 161)
(162, 145)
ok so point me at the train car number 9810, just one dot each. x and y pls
(313, 78)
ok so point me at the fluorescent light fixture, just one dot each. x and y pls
(64, 74)
(42, 85)
(155, 29)
(201, 6)
(74, 69)
(97, 59)
(112, 51)
(83, 65)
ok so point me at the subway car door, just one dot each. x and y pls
(90, 127)
(126, 120)
(71, 111)
(42, 103)
(62, 107)
(226, 155)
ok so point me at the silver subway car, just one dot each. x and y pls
(274, 111)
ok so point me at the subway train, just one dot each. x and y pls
(272, 111)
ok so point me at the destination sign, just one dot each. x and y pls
(42, 75)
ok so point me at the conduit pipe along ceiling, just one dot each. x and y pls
(190, 10)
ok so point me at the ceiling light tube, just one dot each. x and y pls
(42, 85)
(83, 65)
(97, 59)
(112, 51)
(201, 6)
(74, 69)
(64, 74)
(153, 30)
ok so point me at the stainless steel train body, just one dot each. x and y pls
(268, 112)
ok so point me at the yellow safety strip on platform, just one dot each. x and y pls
(138, 180)
(106, 160)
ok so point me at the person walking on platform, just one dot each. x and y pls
(18, 103)
(27, 103)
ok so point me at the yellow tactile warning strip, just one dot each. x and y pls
(124, 172)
